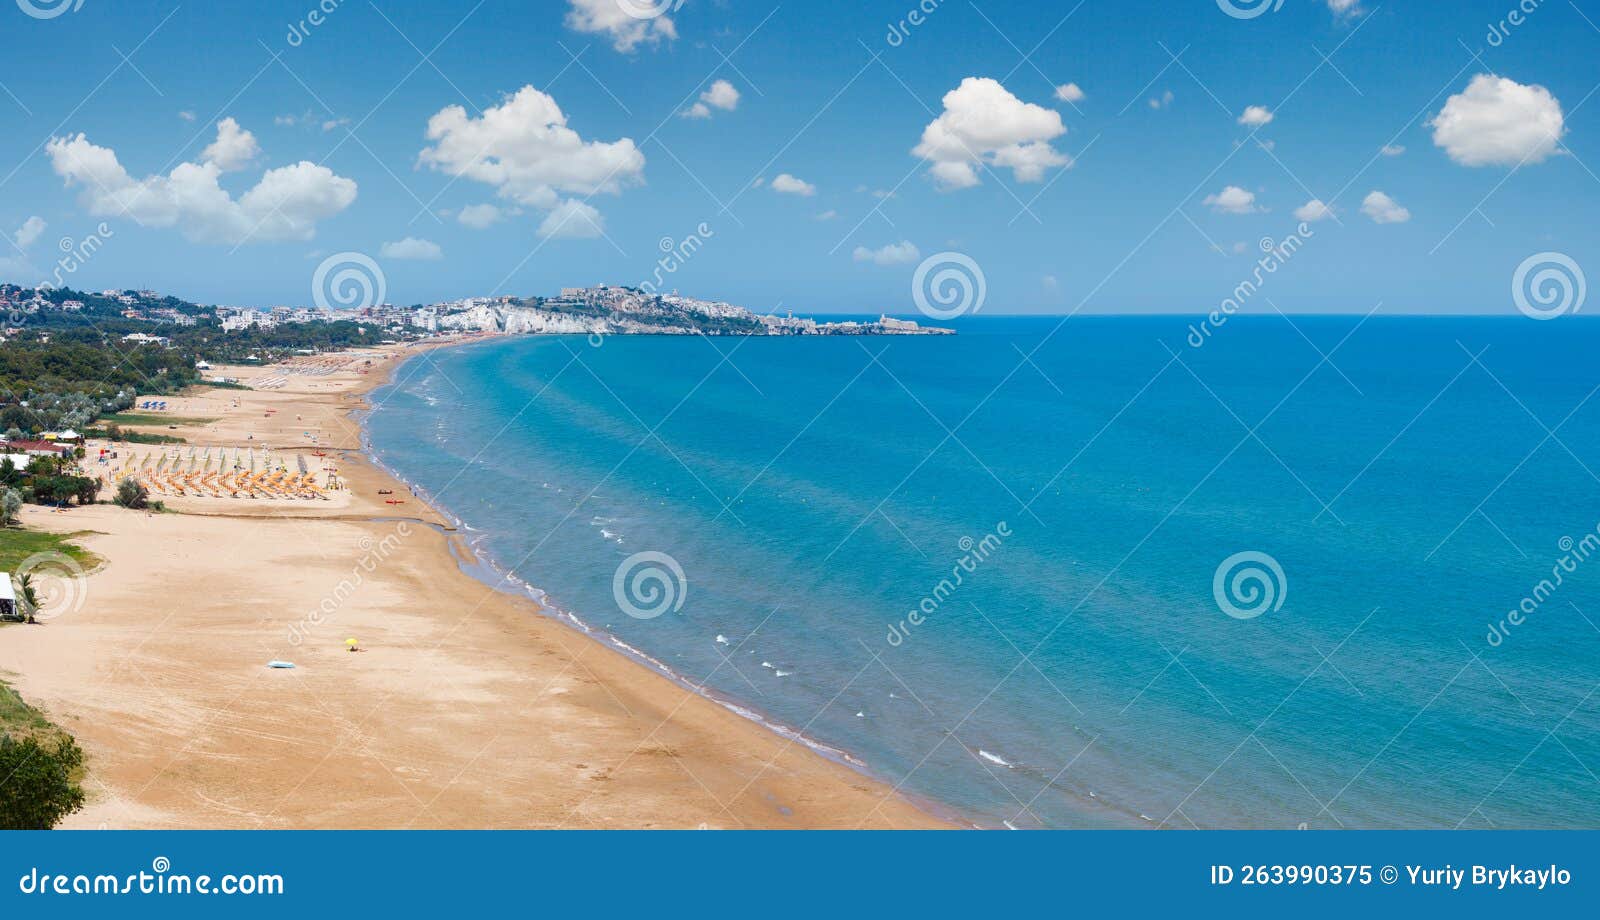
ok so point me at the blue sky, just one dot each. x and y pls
(1143, 220)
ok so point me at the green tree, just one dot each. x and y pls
(39, 789)
(87, 490)
(130, 494)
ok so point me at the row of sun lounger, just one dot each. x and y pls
(166, 473)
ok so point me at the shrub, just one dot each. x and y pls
(39, 790)
(130, 494)
(10, 505)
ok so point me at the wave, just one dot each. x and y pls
(996, 759)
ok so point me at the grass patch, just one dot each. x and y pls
(19, 720)
(17, 544)
(131, 436)
(153, 418)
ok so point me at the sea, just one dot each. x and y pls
(1319, 572)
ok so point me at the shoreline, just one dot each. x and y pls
(461, 711)
(501, 579)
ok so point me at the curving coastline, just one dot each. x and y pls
(462, 711)
(477, 562)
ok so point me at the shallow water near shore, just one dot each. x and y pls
(1057, 525)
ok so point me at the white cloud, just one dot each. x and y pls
(789, 185)
(1383, 209)
(1392, 150)
(233, 149)
(479, 216)
(828, 215)
(413, 248)
(1497, 121)
(1256, 115)
(15, 266)
(722, 96)
(1345, 8)
(572, 220)
(524, 149)
(1313, 211)
(612, 17)
(1162, 101)
(186, 115)
(893, 254)
(983, 122)
(333, 123)
(1232, 200)
(1070, 92)
(285, 204)
(29, 232)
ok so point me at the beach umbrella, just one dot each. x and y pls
(352, 643)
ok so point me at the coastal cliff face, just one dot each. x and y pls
(628, 311)
(541, 322)
(521, 321)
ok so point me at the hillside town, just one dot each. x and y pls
(599, 310)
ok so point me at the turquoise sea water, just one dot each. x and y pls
(815, 491)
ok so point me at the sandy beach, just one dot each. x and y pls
(465, 707)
